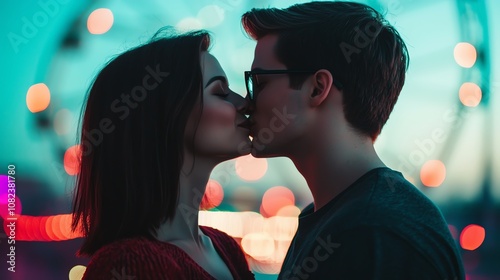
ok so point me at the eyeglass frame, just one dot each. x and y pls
(248, 74)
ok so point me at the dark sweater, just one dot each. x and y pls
(380, 227)
(145, 259)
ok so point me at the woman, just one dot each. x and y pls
(158, 119)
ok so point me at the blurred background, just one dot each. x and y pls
(440, 135)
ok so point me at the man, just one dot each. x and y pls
(324, 80)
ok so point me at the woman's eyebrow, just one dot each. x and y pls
(216, 78)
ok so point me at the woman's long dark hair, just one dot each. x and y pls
(132, 139)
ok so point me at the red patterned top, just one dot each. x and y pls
(145, 259)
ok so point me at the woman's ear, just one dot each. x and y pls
(322, 83)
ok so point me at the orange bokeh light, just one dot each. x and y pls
(65, 225)
(281, 228)
(56, 227)
(214, 194)
(472, 237)
(289, 211)
(433, 173)
(72, 158)
(100, 21)
(465, 54)
(49, 229)
(259, 245)
(470, 94)
(276, 198)
(38, 98)
(250, 168)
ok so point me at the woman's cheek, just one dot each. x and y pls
(217, 115)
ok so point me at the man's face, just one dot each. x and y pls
(278, 109)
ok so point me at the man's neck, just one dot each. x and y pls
(331, 169)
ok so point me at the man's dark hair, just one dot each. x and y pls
(351, 40)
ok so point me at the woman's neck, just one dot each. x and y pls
(184, 226)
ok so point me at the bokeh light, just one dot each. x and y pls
(276, 198)
(289, 211)
(100, 21)
(244, 198)
(22, 228)
(214, 194)
(62, 121)
(34, 228)
(56, 227)
(249, 168)
(38, 98)
(72, 158)
(65, 225)
(472, 237)
(281, 228)
(433, 173)
(43, 228)
(188, 24)
(211, 16)
(50, 230)
(259, 245)
(76, 272)
(252, 222)
(470, 94)
(228, 222)
(465, 54)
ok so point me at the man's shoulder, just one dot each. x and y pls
(384, 199)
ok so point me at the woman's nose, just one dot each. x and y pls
(241, 104)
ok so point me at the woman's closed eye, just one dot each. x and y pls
(222, 94)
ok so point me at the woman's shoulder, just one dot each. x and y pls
(219, 236)
(231, 251)
(132, 257)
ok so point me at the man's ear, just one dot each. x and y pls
(322, 83)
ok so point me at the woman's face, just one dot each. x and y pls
(219, 133)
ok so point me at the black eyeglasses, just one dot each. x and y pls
(251, 79)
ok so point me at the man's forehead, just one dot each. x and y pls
(264, 57)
